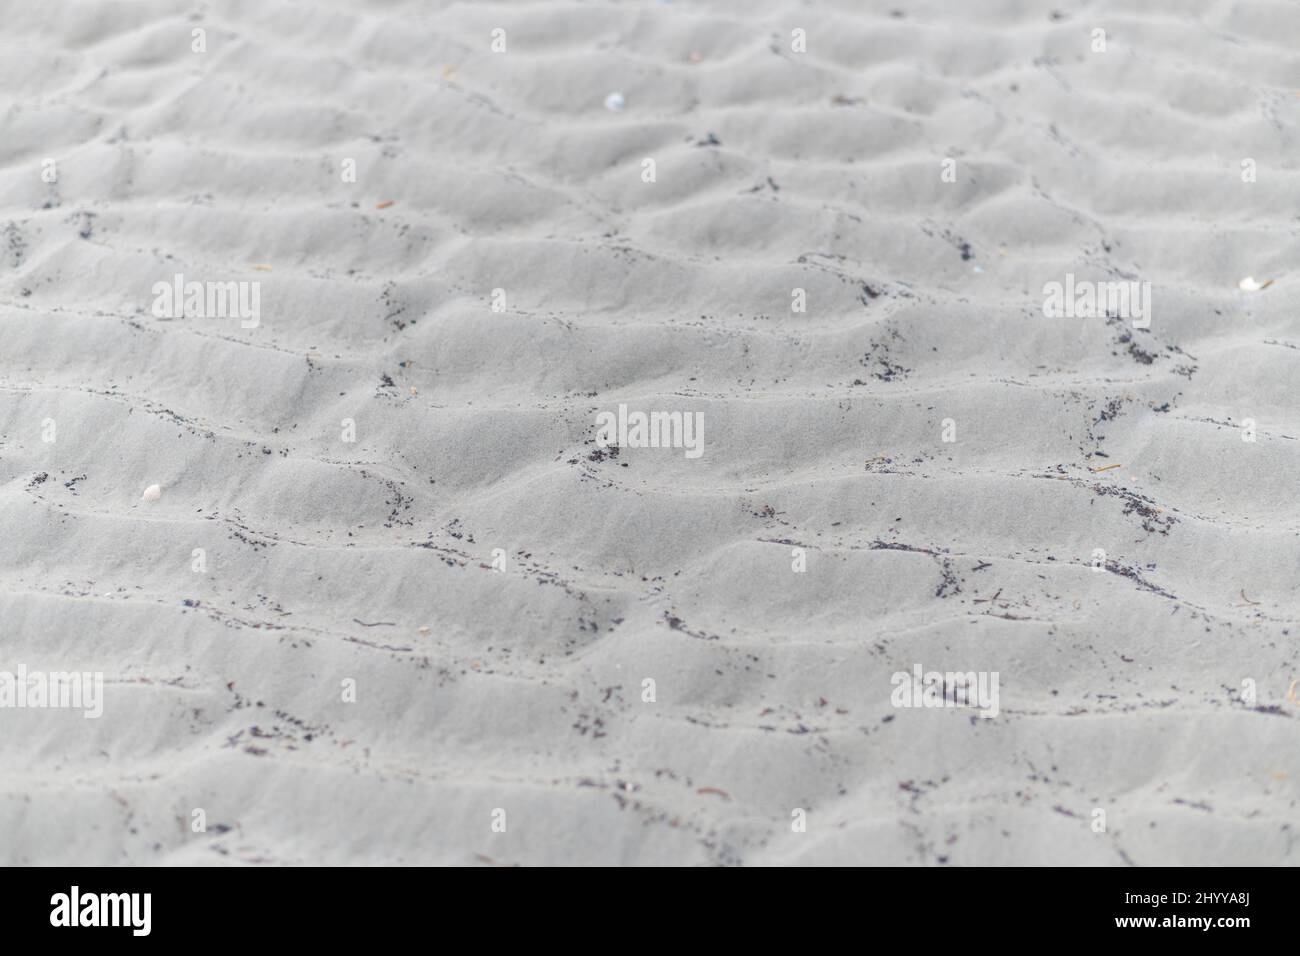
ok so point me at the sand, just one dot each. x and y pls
(430, 644)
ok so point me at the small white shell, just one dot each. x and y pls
(614, 102)
(1250, 284)
(152, 493)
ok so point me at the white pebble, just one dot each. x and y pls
(152, 493)
(1250, 284)
(614, 102)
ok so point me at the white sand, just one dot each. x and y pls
(1121, 689)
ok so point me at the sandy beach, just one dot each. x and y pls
(649, 433)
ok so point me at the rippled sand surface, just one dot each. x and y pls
(433, 643)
